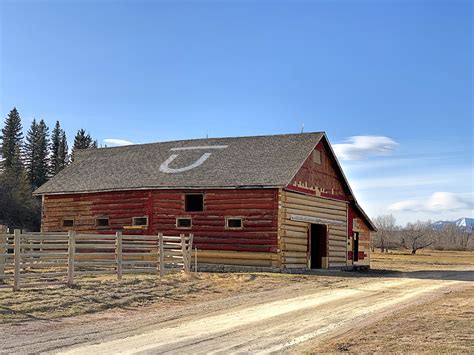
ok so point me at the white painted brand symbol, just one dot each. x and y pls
(164, 167)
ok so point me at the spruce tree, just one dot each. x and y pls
(36, 154)
(82, 140)
(63, 152)
(59, 154)
(12, 137)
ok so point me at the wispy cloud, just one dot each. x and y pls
(437, 202)
(361, 147)
(112, 142)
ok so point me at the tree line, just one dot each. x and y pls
(419, 235)
(27, 162)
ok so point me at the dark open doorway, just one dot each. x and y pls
(355, 246)
(318, 245)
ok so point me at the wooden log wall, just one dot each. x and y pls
(255, 244)
(364, 238)
(318, 174)
(294, 234)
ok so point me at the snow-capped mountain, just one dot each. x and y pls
(465, 223)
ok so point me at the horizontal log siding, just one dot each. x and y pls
(255, 244)
(294, 234)
(364, 239)
(316, 178)
(119, 207)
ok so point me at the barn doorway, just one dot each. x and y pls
(355, 247)
(318, 240)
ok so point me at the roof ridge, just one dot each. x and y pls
(213, 138)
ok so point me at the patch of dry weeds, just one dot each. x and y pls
(94, 294)
(444, 325)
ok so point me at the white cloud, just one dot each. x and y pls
(437, 202)
(360, 147)
(112, 142)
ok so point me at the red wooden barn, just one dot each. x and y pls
(270, 202)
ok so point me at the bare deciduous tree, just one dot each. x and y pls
(386, 227)
(417, 236)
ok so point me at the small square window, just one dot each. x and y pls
(140, 221)
(194, 202)
(68, 223)
(317, 157)
(102, 222)
(184, 222)
(232, 222)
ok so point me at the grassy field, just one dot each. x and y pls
(423, 260)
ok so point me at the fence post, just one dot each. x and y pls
(3, 254)
(71, 256)
(189, 251)
(118, 254)
(16, 259)
(183, 251)
(195, 260)
(162, 257)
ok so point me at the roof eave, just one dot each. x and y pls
(35, 193)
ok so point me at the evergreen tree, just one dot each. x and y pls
(12, 137)
(63, 151)
(59, 156)
(36, 154)
(18, 209)
(82, 140)
(30, 151)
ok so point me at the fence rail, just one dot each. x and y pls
(55, 258)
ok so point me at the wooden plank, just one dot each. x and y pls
(3, 250)
(17, 260)
(161, 255)
(71, 257)
(236, 255)
(118, 253)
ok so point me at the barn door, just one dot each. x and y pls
(355, 246)
(318, 240)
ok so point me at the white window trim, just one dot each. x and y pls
(227, 223)
(140, 225)
(184, 217)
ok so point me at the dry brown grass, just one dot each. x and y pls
(423, 260)
(95, 294)
(442, 326)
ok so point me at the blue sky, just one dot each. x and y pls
(395, 74)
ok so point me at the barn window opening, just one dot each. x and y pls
(102, 222)
(68, 223)
(194, 203)
(232, 222)
(184, 222)
(317, 157)
(140, 221)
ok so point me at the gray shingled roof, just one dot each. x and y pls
(261, 161)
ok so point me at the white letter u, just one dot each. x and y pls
(164, 167)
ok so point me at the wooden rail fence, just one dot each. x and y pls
(56, 258)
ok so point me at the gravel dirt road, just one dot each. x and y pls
(292, 318)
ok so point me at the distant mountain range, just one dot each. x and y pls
(465, 223)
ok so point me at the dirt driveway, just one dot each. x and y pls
(291, 318)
